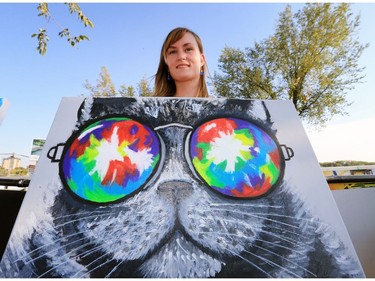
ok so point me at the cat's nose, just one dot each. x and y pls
(175, 191)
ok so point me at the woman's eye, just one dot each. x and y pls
(110, 159)
(235, 157)
(171, 52)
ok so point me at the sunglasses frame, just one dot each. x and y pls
(285, 152)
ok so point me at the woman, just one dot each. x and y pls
(182, 66)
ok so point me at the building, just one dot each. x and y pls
(349, 177)
(11, 162)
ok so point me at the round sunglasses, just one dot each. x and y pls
(112, 158)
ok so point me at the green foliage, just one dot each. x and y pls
(311, 59)
(75, 8)
(43, 10)
(72, 40)
(105, 87)
(20, 171)
(144, 88)
(42, 40)
(126, 91)
(342, 163)
(42, 35)
(3, 171)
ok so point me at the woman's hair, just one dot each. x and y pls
(164, 85)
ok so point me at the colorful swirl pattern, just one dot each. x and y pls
(110, 159)
(235, 157)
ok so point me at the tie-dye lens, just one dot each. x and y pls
(110, 159)
(235, 157)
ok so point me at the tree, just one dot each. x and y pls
(311, 59)
(19, 171)
(127, 91)
(342, 163)
(3, 171)
(144, 88)
(104, 85)
(42, 34)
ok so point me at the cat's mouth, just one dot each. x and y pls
(180, 257)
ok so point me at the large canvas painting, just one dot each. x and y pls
(167, 187)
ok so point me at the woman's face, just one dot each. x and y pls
(184, 59)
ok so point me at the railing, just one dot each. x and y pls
(349, 182)
(14, 181)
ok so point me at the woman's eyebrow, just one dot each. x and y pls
(184, 45)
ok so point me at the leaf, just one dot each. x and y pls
(43, 10)
(90, 23)
(83, 37)
(65, 32)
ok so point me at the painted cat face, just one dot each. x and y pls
(164, 187)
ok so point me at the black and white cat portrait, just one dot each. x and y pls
(176, 188)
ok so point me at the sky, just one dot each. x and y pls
(127, 39)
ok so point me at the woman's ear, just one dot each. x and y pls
(203, 60)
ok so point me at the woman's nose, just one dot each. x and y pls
(181, 56)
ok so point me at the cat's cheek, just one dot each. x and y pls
(133, 228)
(226, 227)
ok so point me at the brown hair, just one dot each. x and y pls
(165, 87)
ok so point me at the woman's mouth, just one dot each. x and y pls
(182, 66)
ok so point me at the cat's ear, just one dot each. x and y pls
(84, 111)
(252, 109)
(261, 111)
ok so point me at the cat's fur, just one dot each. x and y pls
(176, 226)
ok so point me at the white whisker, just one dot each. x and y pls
(51, 269)
(291, 217)
(84, 218)
(100, 265)
(247, 205)
(268, 261)
(65, 255)
(92, 250)
(281, 246)
(48, 244)
(284, 258)
(114, 269)
(291, 241)
(273, 263)
(53, 250)
(251, 263)
(84, 213)
(259, 217)
(261, 228)
(242, 237)
(298, 234)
